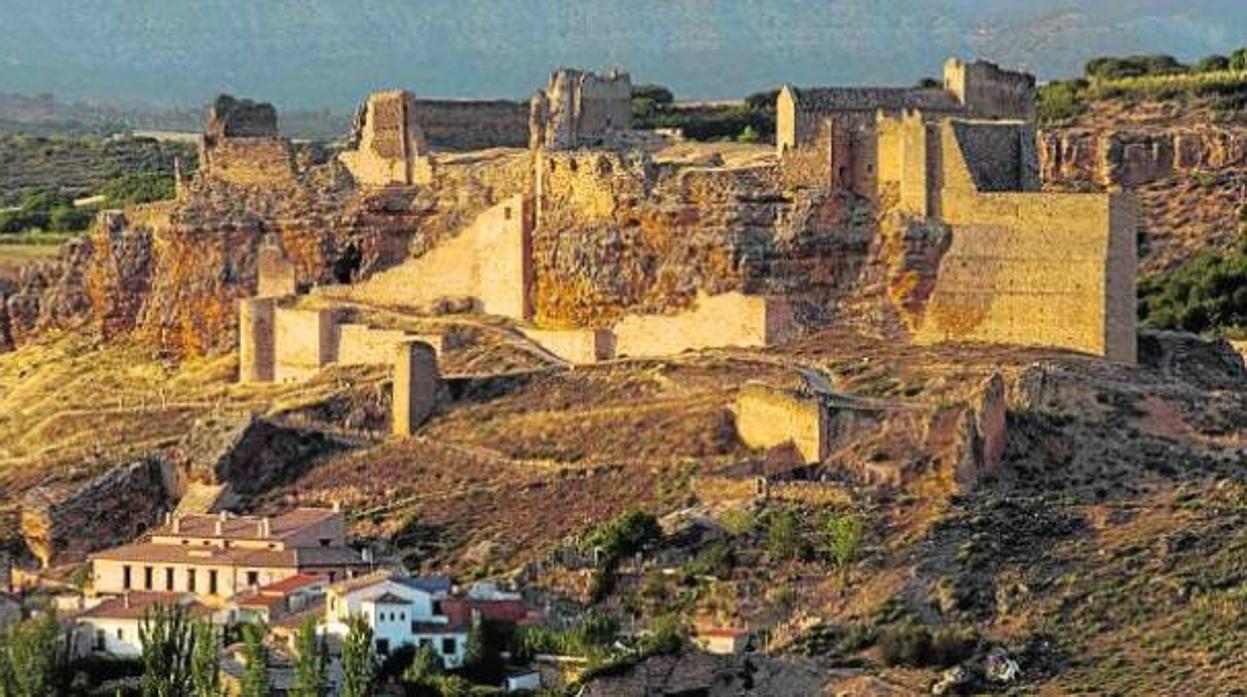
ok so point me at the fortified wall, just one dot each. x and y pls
(473, 124)
(1014, 265)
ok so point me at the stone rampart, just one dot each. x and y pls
(989, 92)
(578, 109)
(727, 319)
(248, 161)
(469, 124)
(304, 341)
(575, 345)
(359, 344)
(767, 417)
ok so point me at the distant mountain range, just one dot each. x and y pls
(329, 53)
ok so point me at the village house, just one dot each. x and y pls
(278, 600)
(214, 557)
(112, 626)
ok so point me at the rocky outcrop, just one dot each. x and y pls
(249, 454)
(617, 234)
(64, 523)
(1135, 156)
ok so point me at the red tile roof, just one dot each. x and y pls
(134, 605)
(291, 584)
(459, 610)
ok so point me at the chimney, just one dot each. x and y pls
(177, 525)
(265, 528)
(217, 529)
(168, 517)
(125, 600)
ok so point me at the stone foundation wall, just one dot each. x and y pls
(767, 417)
(729, 319)
(575, 345)
(304, 341)
(249, 161)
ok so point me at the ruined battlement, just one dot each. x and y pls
(580, 109)
(987, 91)
(388, 142)
(241, 145)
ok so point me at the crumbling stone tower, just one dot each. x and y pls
(241, 145)
(387, 143)
(578, 109)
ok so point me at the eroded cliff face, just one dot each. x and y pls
(1133, 156)
(173, 272)
(618, 234)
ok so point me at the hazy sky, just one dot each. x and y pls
(314, 53)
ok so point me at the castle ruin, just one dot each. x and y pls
(603, 253)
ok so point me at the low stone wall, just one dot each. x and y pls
(303, 342)
(249, 161)
(728, 319)
(712, 489)
(809, 493)
(575, 345)
(359, 344)
(767, 417)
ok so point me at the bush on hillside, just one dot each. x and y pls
(1207, 294)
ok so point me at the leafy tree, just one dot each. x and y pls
(206, 660)
(68, 218)
(483, 657)
(359, 663)
(1238, 59)
(168, 645)
(783, 535)
(842, 533)
(255, 653)
(667, 635)
(1212, 64)
(425, 665)
(625, 534)
(762, 101)
(1060, 101)
(138, 188)
(1208, 293)
(1114, 68)
(34, 658)
(656, 94)
(737, 521)
(929, 83)
(749, 135)
(311, 663)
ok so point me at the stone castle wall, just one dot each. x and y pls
(467, 124)
(304, 341)
(360, 344)
(390, 145)
(256, 162)
(727, 319)
(417, 385)
(989, 92)
(487, 263)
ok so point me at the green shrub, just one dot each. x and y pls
(1207, 294)
(1060, 101)
(1112, 68)
(625, 534)
(138, 188)
(906, 645)
(783, 535)
(952, 645)
(714, 560)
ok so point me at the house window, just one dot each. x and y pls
(101, 640)
(437, 607)
(324, 541)
(383, 647)
(190, 580)
(121, 634)
(212, 582)
(449, 646)
(506, 213)
(125, 577)
(169, 578)
(402, 617)
(253, 578)
(423, 642)
(331, 575)
(147, 578)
